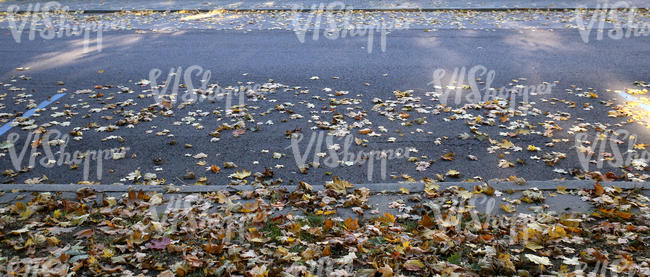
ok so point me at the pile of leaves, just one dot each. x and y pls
(253, 233)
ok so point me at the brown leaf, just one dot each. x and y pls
(426, 222)
(328, 224)
(449, 156)
(212, 248)
(166, 273)
(327, 251)
(385, 271)
(84, 234)
(194, 261)
(351, 224)
(598, 189)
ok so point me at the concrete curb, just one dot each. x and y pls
(374, 188)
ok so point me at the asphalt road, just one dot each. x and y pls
(410, 58)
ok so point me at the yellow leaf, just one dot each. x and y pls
(505, 258)
(241, 175)
(388, 218)
(53, 240)
(338, 185)
(508, 208)
(453, 173)
(108, 253)
(533, 246)
(505, 144)
(430, 187)
(556, 231)
(26, 214)
(449, 156)
(635, 91)
(92, 260)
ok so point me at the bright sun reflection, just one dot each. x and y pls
(76, 51)
(634, 103)
(210, 15)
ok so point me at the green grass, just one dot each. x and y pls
(378, 240)
(456, 258)
(272, 231)
(315, 220)
(197, 273)
(306, 237)
(411, 225)
(298, 248)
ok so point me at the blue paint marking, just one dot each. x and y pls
(31, 112)
(634, 99)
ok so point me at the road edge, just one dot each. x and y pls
(374, 188)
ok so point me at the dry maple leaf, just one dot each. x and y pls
(426, 222)
(598, 189)
(385, 271)
(414, 265)
(351, 224)
(193, 261)
(539, 260)
(166, 273)
(453, 173)
(159, 244)
(84, 234)
(338, 185)
(387, 218)
(240, 175)
(449, 156)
